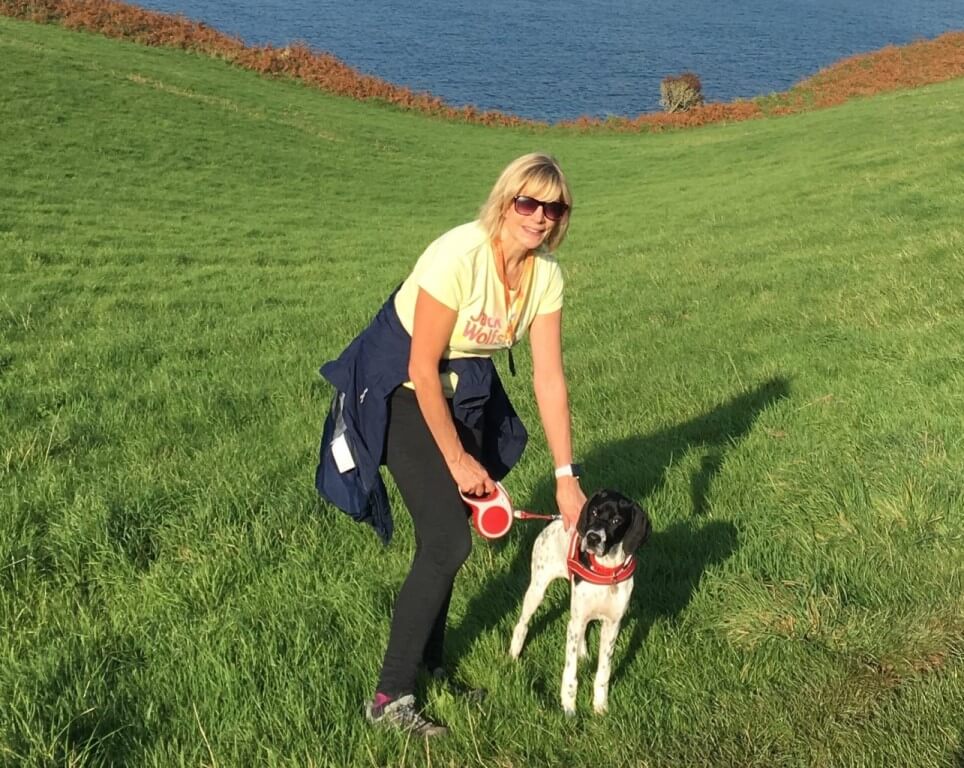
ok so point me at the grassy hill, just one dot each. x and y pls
(764, 329)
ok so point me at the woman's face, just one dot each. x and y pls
(521, 232)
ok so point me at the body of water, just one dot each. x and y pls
(559, 60)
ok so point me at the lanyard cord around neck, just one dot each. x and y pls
(513, 308)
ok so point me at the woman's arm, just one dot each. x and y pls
(552, 397)
(431, 332)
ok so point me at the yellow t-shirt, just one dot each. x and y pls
(459, 269)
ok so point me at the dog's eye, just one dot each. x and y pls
(617, 519)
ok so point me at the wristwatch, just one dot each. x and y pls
(569, 470)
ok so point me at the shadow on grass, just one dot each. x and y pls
(86, 705)
(673, 562)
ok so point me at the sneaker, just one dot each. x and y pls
(401, 713)
(458, 688)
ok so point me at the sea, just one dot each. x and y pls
(554, 60)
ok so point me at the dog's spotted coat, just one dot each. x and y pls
(611, 527)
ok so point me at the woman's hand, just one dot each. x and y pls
(570, 499)
(470, 476)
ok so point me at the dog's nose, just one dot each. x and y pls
(593, 539)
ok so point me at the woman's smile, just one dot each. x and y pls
(524, 233)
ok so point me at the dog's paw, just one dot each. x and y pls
(518, 640)
(600, 707)
(567, 698)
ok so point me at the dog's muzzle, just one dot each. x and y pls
(595, 541)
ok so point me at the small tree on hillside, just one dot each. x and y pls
(678, 93)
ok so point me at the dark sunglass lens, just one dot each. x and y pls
(555, 211)
(526, 206)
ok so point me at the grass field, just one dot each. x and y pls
(764, 342)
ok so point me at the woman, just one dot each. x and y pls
(417, 391)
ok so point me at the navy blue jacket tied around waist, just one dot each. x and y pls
(353, 440)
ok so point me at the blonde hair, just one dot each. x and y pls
(540, 175)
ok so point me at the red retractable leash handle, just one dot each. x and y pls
(492, 514)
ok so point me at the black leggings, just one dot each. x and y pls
(442, 542)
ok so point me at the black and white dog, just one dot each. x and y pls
(599, 559)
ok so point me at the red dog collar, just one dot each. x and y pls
(595, 572)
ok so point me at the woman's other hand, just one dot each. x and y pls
(570, 499)
(470, 476)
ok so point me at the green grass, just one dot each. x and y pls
(764, 333)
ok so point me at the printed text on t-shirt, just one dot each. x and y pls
(484, 330)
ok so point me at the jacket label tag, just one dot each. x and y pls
(342, 454)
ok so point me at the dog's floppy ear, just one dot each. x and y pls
(639, 527)
(583, 522)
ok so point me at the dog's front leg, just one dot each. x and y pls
(607, 643)
(575, 638)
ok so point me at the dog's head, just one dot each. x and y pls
(609, 520)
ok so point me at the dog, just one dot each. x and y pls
(598, 558)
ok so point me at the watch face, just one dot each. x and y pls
(576, 470)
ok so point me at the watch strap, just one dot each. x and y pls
(569, 470)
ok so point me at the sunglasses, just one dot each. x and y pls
(526, 206)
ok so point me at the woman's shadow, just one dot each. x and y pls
(672, 563)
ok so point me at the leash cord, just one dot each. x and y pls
(520, 515)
